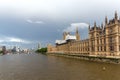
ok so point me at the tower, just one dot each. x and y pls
(39, 46)
(102, 26)
(106, 20)
(95, 25)
(89, 27)
(77, 34)
(94, 42)
(64, 35)
(116, 16)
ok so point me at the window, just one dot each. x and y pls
(104, 41)
(110, 39)
(119, 40)
(97, 41)
(110, 30)
(104, 48)
(100, 41)
(111, 48)
(92, 48)
(98, 48)
(119, 47)
(101, 48)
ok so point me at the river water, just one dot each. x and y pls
(42, 67)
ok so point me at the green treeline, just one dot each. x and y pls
(1, 52)
(42, 50)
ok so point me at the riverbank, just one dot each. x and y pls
(107, 59)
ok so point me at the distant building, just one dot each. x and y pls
(14, 49)
(103, 40)
(4, 49)
(0, 48)
(39, 46)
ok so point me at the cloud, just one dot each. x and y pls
(18, 40)
(56, 8)
(5, 39)
(35, 22)
(29, 21)
(73, 26)
(39, 22)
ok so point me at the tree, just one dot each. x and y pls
(1, 52)
(42, 50)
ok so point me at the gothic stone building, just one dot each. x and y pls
(103, 40)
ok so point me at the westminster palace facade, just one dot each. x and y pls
(102, 40)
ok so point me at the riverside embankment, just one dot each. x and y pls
(100, 58)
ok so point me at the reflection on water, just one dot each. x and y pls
(42, 67)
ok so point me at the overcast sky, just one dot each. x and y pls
(27, 22)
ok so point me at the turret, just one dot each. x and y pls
(77, 34)
(106, 20)
(77, 30)
(89, 27)
(102, 26)
(64, 35)
(95, 25)
(116, 16)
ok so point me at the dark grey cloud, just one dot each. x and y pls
(44, 20)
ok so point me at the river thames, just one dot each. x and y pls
(42, 67)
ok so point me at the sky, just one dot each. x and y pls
(28, 22)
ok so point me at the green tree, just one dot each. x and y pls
(1, 52)
(42, 50)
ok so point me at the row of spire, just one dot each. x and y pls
(115, 17)
(106, 20)
(102, 26)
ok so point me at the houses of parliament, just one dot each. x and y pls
(102, 40)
